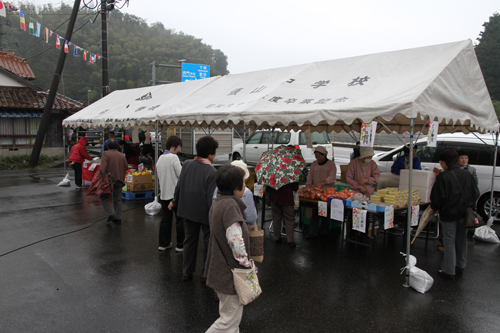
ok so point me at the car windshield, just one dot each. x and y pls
(316, 138)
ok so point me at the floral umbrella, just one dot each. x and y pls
(280, 166)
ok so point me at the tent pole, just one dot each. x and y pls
(156, 159)
(409, 213)
(493, 176)
(244, 142)
(65, 131)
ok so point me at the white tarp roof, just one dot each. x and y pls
(440, 82)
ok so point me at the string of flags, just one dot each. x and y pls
(77, 50)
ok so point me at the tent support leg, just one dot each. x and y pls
(156, 158)
(493, 176)
(409, 213)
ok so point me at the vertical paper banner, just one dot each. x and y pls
(323, 208)
(415, 210)
(432, 135)
(368, 132)
(337, 210)
(389, 217)
(258, 190)
(359, 219)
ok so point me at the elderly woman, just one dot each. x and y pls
(114, 163)
(463, 162)
(229, 242)
(362, 172)
(453, 191)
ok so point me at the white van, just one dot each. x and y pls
(261, 141)
(481, 150)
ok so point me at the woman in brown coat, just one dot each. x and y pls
(228, 246)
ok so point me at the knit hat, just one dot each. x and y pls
(242, 165)
(366, 152)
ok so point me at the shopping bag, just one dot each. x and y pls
(65, 182)
(256, 243)
(246, 283)
(153, 208)
(473, 219)
(486, 233)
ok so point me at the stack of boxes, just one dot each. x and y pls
(139, 183)
(422, 181)
(393, 196)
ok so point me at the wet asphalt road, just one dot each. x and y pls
(86, 276)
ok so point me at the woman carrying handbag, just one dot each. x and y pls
(228, 246)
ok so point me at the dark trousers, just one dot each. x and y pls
(78, 173)
(166, 226)
(286, 213)
(192, 232)
(116, 198)
(455, 246)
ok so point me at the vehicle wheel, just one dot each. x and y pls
(483, 206)
(236, 156)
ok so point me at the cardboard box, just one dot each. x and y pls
(421, 178)
(425, 192)
(146, 179)
(343, 173)
(140, 187)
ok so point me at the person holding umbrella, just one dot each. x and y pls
(279, 169)
(362, 172)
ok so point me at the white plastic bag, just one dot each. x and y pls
(153, 208)
(65, 182)
(486, 233)
(420, 280)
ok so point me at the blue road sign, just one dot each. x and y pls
(191, 72)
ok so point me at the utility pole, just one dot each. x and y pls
(44, 122)
(105, 71)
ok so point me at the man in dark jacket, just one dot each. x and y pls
(453, 191)
(193, 199)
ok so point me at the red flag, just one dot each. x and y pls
(84, 55)
(58, 42)
(66, 49)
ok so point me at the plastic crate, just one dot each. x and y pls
(137, 195)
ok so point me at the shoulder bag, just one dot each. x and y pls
(245, 281)
(472, 217)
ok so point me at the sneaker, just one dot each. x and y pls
(163, 248)
(448, 276)
(111, 218)
(179, 249)
(117, 222)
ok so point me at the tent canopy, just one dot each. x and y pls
(440, 83)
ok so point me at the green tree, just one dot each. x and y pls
(133, 45)
(488, 55)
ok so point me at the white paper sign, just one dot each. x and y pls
(258, 190)
(389, 217)
(323, 208)
(432, 135)
(307, 136)
(415, 210)
(359, 219)
(368, 132)
(93, 166)
(337, 210)
(141, 167)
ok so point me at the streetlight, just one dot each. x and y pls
(181, 61)
(88, 97)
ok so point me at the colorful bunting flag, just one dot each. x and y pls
(46, 35)
(32, 27)
(58, 42)
(84, 55)
(10, 7)
(75, 51)
(66, 49)
(38, 28)
(2, 10)
(22, 18)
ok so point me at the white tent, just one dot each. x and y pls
(400, 90)
(440, 82)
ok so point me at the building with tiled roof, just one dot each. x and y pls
(22, 104)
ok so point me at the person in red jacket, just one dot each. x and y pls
(77, 155)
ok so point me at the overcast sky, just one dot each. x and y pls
(259, 34)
